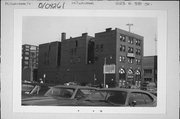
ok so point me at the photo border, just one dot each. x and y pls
(161, 44)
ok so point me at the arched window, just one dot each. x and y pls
(122, 74)
(130, 71)
(121, 71)
(137, 75)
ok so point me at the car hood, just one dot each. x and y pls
(47, 101)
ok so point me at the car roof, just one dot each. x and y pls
(73, 86)
(123, 89)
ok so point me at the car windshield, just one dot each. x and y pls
(97, 96)
(82, 93)
(27, 87)
(39, 90)
(117, 97)
(114, 97)
(60, 92)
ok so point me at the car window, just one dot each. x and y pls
(40, 90)
(87, 91)
(35, 90)
(79, 94)
(27, 87)
(97, 95)
(60, 92)
(117, 97)
(138, 97)
(83, 92)
(148, 99)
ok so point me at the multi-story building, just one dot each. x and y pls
(65, 61)
(81, 59)
(150, 69)
(125, 51)
(29, 61)
(75, 60)
(49, 61)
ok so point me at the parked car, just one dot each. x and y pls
(39, 89)
(60, 96)
(119, 97)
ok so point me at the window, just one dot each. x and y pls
(26, 62)
(122, 38)
(122, 48)
(148, 99)
(83, 93)
(97, 95)
(60, 92)
(131, 41)
(138, 52)
(147, 72)
(26, 58)
(27, 46)
(130, 60)
(138, 61)
(76, 43)
(138, 42)
(26, 53)
(130, 50)
(122, 59)
(27, 49)
(117, 97)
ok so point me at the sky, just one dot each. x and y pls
(43, 29)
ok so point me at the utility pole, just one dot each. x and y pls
(129, 25)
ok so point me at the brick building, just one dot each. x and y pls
(125, 50)
(65, 61)
(81, 59)
(75, 59)
(49, 61)
(29, 61)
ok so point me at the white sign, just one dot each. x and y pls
(130, 55)
(109, 69)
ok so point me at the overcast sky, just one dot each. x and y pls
(39, 30)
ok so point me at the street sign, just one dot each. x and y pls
(109, 69)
